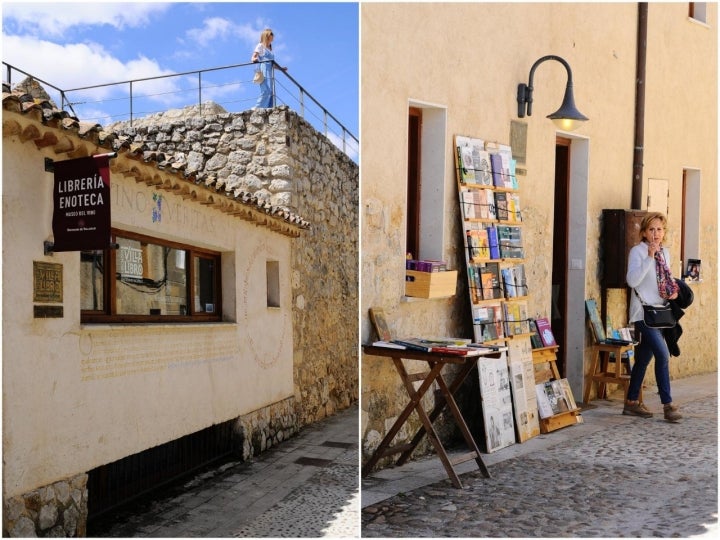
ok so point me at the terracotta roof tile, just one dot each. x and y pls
(44, 111)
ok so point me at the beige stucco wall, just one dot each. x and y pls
(467, 60)
(78, 396)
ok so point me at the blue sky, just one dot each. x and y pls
(74, 45)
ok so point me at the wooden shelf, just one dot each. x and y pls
(545, 364)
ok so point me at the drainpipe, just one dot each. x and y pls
(637, 181)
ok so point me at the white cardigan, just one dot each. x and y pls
(641, 275)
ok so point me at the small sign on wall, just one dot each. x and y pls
(47, 282)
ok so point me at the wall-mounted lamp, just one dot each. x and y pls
(567, 117)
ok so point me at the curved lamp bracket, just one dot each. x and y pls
(567, 113)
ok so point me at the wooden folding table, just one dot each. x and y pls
(436, 362)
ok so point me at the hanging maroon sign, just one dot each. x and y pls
(81, 204)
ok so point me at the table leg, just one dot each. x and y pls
(415, 398)
(427, 424)
(463, 427)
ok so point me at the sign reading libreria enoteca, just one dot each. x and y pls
(81, 204)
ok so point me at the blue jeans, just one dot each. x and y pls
(652, 343)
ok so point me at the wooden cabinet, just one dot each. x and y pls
(620, 232)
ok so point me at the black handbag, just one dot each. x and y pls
(658, 317)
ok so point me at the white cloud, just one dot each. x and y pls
(218, 29)
(53, 19)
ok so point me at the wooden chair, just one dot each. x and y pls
(610, 362)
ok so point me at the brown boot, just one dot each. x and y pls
(636, 408)
(671, 412)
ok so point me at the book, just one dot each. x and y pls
(508, 279)
(501, 205)
(510, 241)
(490, 280)
(493, 242)
(516, 320)
(545, 331)
(535, 337)
(487, 323)
(377, 317)
(487, 204)
(514, 281)
(596, 325)
(483, 171)
(467, 200)
(465, 164)
(497, 173)
(474, 283)
(478, 244)
(693, 269)
(513, 206)
(424, 345)
(388, 345)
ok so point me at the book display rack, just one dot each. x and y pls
(490, 210)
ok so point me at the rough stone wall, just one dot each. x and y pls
(267, 427)
(280, 158)
(58, 510)
(325, 274)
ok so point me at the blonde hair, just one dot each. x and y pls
(265, 37)
(647, 220)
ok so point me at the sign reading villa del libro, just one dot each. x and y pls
(81, 204)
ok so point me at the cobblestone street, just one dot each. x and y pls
(630, 477)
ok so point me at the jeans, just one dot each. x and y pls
(652, 343)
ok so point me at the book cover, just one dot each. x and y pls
(514, 214)
(545, 331)
(513, 176)
(486, 281)
(535, 337)
(567, 392)
(467, 203)
(497, 172)
(544, 406)
(478, 246)
(508, 278)
(693, 269)
(377, 317)
(518, 272)
(522, 385)
(388, 345)
(474, 283)
(501, 205)
(516, 318)
(496, 399)
(510, 241)
(485, 324)
(498, 319)
(483, 170)
(596, 324)
(465, 163)
(507, 167)
(493, 242)
(488, 198)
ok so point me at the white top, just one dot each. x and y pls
(641, 276)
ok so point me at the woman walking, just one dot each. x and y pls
(649, 276)
(264, 55)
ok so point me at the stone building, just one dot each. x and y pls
(465, 83)
(223, 320)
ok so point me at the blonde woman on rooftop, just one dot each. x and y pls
(264, 55)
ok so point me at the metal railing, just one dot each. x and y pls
(230, 87)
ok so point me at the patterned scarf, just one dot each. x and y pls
(666, 284)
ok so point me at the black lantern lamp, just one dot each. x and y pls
(567, 117)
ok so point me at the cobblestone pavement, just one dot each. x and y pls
(633, 477)
(306, 487)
